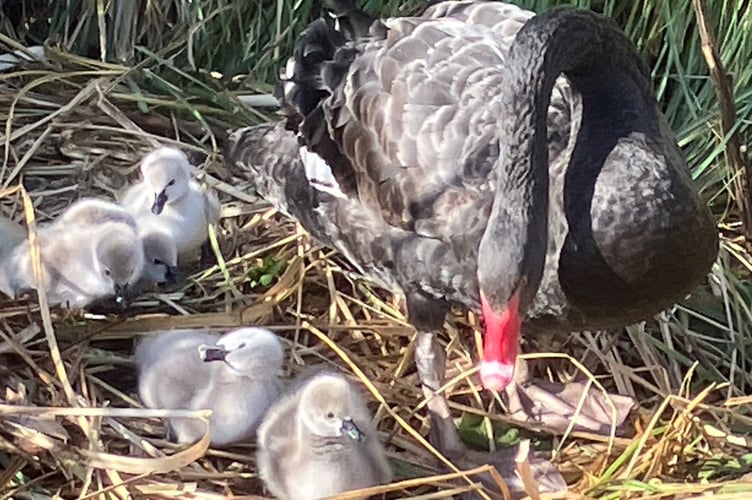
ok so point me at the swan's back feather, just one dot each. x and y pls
(405, 118)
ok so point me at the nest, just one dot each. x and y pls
(71, 424)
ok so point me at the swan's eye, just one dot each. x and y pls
(241, 345)
(330, 415)
(157, 261)
(107, 272)
(171, 183)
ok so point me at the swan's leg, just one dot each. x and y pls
(429, 357)
(430, 361)
(555, 405)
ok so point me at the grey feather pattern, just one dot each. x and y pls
(408, 127)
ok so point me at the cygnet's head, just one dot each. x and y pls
(329, 407)
(119, 257)
(160, 255)
(167, 173)
(249, 352)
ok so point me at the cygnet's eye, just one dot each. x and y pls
(107, 272)
(330, 415)
(157, 261)
(241, 345)
(171, 183)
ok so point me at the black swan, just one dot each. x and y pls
(484, 156)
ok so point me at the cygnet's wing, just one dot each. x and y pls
(237, 406)
(169, 368)
(92, 212)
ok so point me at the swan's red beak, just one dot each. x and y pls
(500, 343)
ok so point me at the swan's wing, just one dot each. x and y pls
(268, 156)
(405, 119)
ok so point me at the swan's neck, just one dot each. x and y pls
(585, 47)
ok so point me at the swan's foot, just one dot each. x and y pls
(546, 478)
(555, 405)
(444, 436)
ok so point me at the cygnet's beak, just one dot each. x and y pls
(351, 430)
(122, 295)
(159, 202)
(209, 353)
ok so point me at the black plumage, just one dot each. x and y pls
(475, 157)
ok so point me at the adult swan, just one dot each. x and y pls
(448, 158)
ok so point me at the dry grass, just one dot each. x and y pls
(70, 422)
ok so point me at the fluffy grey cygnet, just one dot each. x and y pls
(319, 440)
(235, 375)
(160, 249)
(85, 255)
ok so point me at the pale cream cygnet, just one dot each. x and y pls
(319, 440)
(236, 375)
(80, 263)
(168, 191)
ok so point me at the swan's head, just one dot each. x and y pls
(167, 173)
(119, 258)
(330, 407)
(254, 353)
(160, 255)
(502, 323)
(511, 257)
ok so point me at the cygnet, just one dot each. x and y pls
(235, 375)
(168, 192)
(80, 264)
(160, 251)
(319, 441)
